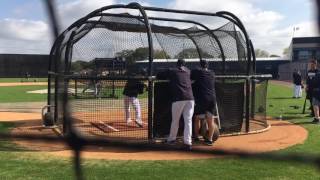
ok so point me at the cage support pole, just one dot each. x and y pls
(253, 85)
(150, 67)
(67, 57)
(55, 27)
(247, 115)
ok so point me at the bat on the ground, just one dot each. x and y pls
(304, 105)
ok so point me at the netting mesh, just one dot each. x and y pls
(99, 108)
(99, 56)
(231, 102)
(258, 117)
(126, 37)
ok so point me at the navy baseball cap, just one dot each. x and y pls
(181, 62)
(204, 63)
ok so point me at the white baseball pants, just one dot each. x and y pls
(136, 105)
(297, 91)
(186, 108)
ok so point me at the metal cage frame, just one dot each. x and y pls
(58, 75)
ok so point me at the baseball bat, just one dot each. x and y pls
(304, 105)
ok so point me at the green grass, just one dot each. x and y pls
(6, 145)
(6, 80)
(108, 92)
(280, 101)
(19, 94)
(25, 165)
(10, 94)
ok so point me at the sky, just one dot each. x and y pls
(25, 28)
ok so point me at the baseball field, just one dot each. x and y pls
(17, 161)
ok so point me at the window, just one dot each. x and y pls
(318, 55)
(304, 55)
(295, 55)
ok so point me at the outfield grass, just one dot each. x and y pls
(108, 92)
(19, 94)
(10, 94)
(25, 165)
(6, 80)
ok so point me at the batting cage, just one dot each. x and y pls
(102, 71)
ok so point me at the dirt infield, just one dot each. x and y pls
(281, 135)
(16, 117)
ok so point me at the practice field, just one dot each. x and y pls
(9, 94)
(10, 80)
(18, 163)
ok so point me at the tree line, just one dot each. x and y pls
(131, 56)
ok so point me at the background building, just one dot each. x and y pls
(18, 65)
(305, 48)
(301, 50)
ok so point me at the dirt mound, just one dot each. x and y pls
(281, 135)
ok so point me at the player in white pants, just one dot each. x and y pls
(186, 109)
(134, 101)
(182, 101)
(297, 90)
(131, 90)
(297, 84)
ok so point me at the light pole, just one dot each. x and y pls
(294, 30)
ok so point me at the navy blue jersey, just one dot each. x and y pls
(311, 82)
(316, 86)
(133, 88)
(203, 86)
(297, 80)
(180, 83)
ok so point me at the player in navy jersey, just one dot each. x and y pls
(205, 99)
(182, 101)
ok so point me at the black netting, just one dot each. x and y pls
(230, 99)
(97, 57)
(112, 37)
(259, 106)
(99, 108)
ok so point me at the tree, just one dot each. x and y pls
(125, 53)
(192, 53)
(261, 53)
(285, 51)
(274, 55)
(160, 54)
(141, 54)
(77, 66)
